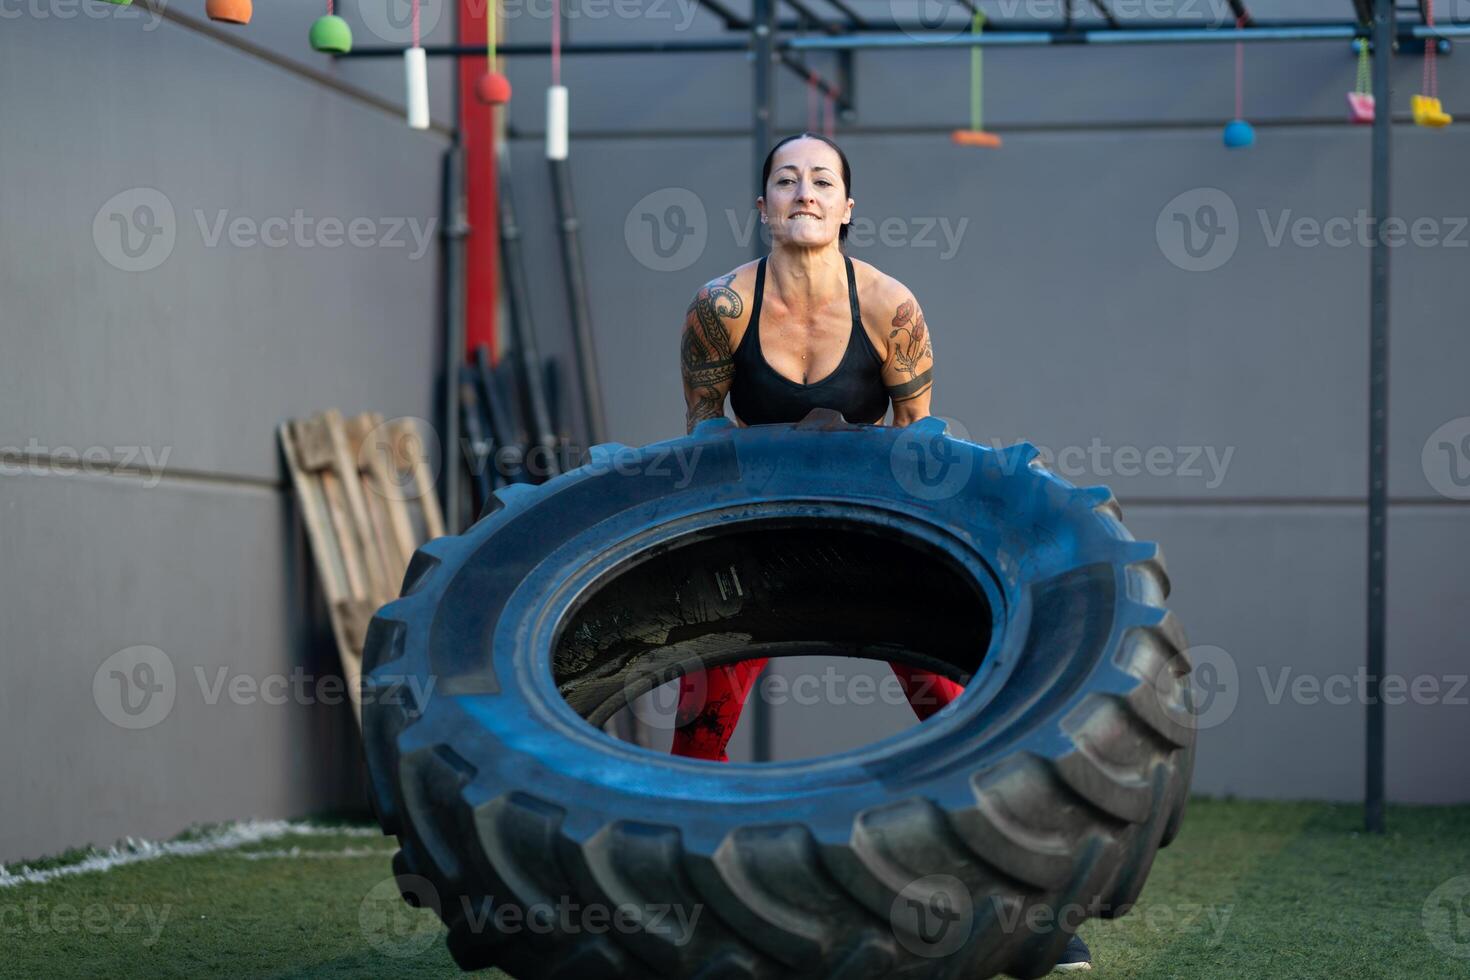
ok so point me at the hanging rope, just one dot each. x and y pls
(416, 24)
(1239, 72)
(555, 42)
(1365, 69)
(1431, 48)
(829, 122)
(977, 72)
(490, 25)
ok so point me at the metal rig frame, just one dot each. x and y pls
(769, 43)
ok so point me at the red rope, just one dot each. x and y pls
(811, 102)
(829, 126)
(416, 23)
(329, 8)
(555, 42)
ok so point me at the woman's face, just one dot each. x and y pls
(805, 201)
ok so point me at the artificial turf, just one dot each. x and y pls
(1249, 889)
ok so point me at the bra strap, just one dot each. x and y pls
(857, 316)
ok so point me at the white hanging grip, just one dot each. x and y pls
(416, 72)
(556, 122)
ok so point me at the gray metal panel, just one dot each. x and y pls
(212, 575)
(1428, 593)
(1268, 595)
(203, 355)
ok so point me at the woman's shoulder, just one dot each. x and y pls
(726, 299)
(876, 289)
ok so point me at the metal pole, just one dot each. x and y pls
(1344, 32)
(763, 47)
(1383, 34)
(522, 324)
(914, 37)
(455, 228)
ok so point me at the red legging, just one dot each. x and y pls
(705, 724)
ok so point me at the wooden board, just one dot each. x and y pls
(366, 494)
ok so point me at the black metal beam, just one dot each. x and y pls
(763, 103)
(1242, 16)
(1107, 15)
(1383, 33)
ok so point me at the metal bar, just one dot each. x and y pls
(522, 324)
(1176, 36)
(1383, 32)
(800, 67)
(700, 46)
(581, 309)
(1107, 15)
(763, 67)
(913, 39)
(453, 234)
(1242, 16)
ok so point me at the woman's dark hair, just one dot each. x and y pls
(846, 169)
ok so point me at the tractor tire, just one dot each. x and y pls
(969, 845)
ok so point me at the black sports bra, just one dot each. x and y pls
(855, 388)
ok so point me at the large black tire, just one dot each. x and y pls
(969, 845)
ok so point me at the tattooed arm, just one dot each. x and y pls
(909, 371)
(705, 350)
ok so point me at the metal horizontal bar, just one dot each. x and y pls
(1225, 35)
(989, 39)
(702, 46)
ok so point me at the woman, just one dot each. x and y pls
(805, 327)
(787, 334)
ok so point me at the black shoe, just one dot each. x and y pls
(1075, 957)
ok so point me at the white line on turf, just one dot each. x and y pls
(133, 850)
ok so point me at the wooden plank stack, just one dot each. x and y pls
(367, 498)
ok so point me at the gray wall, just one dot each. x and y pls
(1058, 316)
(188, 540)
